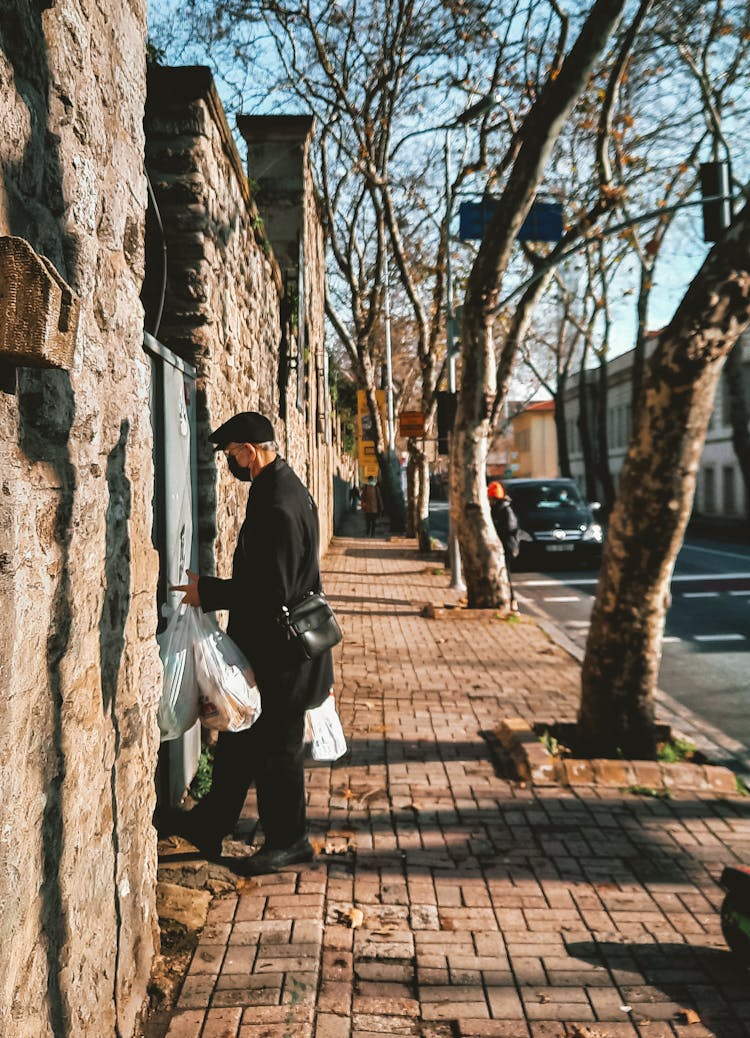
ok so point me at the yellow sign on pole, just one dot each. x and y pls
(365, 431)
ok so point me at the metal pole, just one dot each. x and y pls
(388, 359)
(454, 552)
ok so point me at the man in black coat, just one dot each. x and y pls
(275, 564)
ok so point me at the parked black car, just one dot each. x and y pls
(555, 520)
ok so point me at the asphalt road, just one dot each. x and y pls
(706, 651)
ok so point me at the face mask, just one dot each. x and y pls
(237, 470)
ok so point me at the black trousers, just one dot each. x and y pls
(271, 754)
(370, 520)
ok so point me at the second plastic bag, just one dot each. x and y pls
(178, 706)
(228, 698)
(323, 729)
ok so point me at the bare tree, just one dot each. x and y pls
(550, 353)
(714, 47)
(484, 566)
(657, 484)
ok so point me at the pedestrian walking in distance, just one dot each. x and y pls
(275, 564)
(372, 504)
(506, 524)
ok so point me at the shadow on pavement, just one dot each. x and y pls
(336, 597)
(377, 553)
(696, 977)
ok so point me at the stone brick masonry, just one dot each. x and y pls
(79, 667)
(485, 906)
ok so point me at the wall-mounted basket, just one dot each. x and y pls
(39, 312)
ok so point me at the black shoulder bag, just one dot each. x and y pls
(311, 625)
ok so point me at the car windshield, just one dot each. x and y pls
(540, 496)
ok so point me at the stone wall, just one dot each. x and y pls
(79, 669)
(222, 306)
(227, 307)
(279, 168)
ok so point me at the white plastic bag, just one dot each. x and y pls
(178, 706)
(205, 675)
(228, 700)
(323, 729)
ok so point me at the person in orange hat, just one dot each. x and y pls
(506, 524)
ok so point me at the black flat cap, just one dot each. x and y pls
(246, 427)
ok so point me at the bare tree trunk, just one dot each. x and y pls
(563, 451)
(482, 556)
(585, 433)
(423, 501)
(639, 350)
(602, 439)
(481, 553)
(623, 651)
(411, 494)
(418, 496)
(739, 417)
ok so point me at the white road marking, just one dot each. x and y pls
(719, 637)
(671, 638)
(683, 578)
(556, 583)
(578, 623)
(700, 594)
(714, 551)
(698, 577)
(562, 598)
(737, 594)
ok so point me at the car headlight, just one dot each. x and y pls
(593, 533)
(523, 536)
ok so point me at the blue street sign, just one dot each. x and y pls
(543, 221)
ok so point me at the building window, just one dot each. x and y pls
(722, 398)
(709, 490)
(730, 490)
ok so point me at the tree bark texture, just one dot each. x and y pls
(411, 497)
(623, 651)
(561, 426)
(418, 495)
(585, 434)
(482, 558)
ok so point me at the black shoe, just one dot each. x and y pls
(271, 859)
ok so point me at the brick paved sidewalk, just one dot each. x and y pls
(483, 907)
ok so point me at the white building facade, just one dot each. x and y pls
(720, 493)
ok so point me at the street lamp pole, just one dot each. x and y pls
(454, 552)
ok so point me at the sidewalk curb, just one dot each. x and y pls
(710, 740)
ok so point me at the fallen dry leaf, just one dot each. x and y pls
(688, 1016)
(245, 884)
(353, 917)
